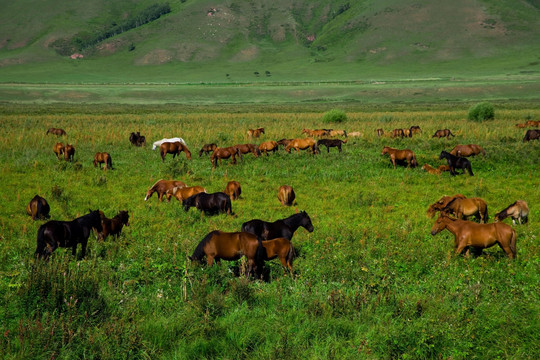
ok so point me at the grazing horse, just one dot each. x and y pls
(103, 158)
(55, 131)
(316, 132)
(532, 134)
(303, 144)
(113, 226)
(331, 143)
(255, 132)
(59, 150)
(173, 148)
(415, 129)
(267, 146)
(213, 203)
(533, 123)
(281, 248)
(467, 150)
(398, 133)
(334, 133)
(400, 156)
(218, 245)
(284, 142)
(159, 142)
(207, 148)
(137, 139)
(246, 149)
(456, 162)
(434, 171)
(182, 193)
(518, 210)
(55, 234)
(463, 208)
(162, 186)
(443, 133)
(233, 189)
(440, 204)
(69, 152)
(380, 132)
(478, 236)
(286, 195)
(283, 228)
(38, 208)
(223, 153)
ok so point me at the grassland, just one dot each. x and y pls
(369, 282)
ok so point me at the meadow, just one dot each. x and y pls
(369, 282)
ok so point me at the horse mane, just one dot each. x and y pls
(153, 186)
(199, 253)
(288, 220)
(504, 213)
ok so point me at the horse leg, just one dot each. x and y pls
(393, 161)
(460, 247)
(83, 244)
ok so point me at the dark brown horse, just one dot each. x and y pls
(69, 152)
(246, 149)
(113, 226)
(477, 236)
(400, 156)
(518, 210)
(207, 149)
(38, 208)
(137, 139)
(467, 150)
(210, 204)
(281, 248)
(456, 162)
(331, 143)
(223, 153)
(286, 195)
(162, 186)
(443, 133)
(233, 189)
(59, 150)
(268, 146)
(255, 132)
(284, 142)
(415, 129)
(55, 131)
(103, 158)
(532, 134)
(303, 144)
(284, 228)
(173, 148)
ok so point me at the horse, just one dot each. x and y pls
(456, 162)
(443, 133)
(137, 139)
(210, 204)
(159, 142)
(303, 144)
(103, 158)
(218, 245)
(182, 193)
(113, 226)
(267, 146)
(59, 150)
(478, 236)
(316, 132)
(337, 133)
(432, 170)
(532, 134)
(38, 208)
(467, 150)
(223, 153)
(286, 195)
(331, 143)
(255, 132)
(518, 210)
(440, 204)
(283, 228)
(246, 149)
(284, 142)
(462, 208)
(398, 133)
(400, 155)
(281, 248)
(233, 189)
(533, 123)
(69, 152)
(162, 186)
(173, 148)
(55, 131)
(415, 129)
(380, 132)
(354, 134)
(207, 148)
(55, 234)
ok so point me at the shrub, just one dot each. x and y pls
(334, 116)
(481, 112)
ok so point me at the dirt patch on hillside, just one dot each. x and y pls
(247, 54)
(156, 57)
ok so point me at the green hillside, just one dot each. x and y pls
(200, 40)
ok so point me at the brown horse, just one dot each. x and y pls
(478, 236)
(267, 146)
(518, 210)
(532, 134)
(463, 208)
(316, 132)
(162, 186)
(440, 204)
(400, 156)
(233, 189)
(255, 132)
(303, 144)
(443, 133)
(432, 170)
(219, 245)
(38, 208)
(284, 142)
(467, 150)
(182, 193)
(246, 149)
(113, 226)
(415, 129)
(281, 248)
(398, 133)
(331, 143)
(223, 153)
(380, 132)
(286, 195)
(207, 148)
(533, 123)
(103, 158)
(59, 150)
(69, 152)
(55, 131)
(173, 148)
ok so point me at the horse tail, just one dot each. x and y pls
(40, 248)
(228, 206)
(109, 162)
(39, 209)
(260, 255)
(291, 254)
(486, 216)
(513, 242)
(199, 253)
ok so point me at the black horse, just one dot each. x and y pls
(137, 139)
(209, 203)
(55, 234)
(283, 228)
(456, 162)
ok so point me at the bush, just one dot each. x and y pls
(482, 111)
(334, 116)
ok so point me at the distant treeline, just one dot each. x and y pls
(86, 39)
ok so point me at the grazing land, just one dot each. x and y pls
(369, 282)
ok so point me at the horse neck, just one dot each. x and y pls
(293, 221)
(452, 225)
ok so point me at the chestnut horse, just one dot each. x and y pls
(113, 226)
(438, 171)
(478, 236)
(286, 195)
(316, 132)
(267, 146)
(467, 150)
(182, 193)
(255, 132)
(173, 148)
(207, 148)
(440, 204)
(103, 158)
(55, 131)
(400, 156)
(223, 153)
(59, 150)
(69, 152)
(443, 133)
(38, 208)
(303, 144)
(162, 186)
(281, 248)
(246, 149)
(518, 210)
(233, 189)
(463, 208)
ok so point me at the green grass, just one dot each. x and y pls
(370, 281)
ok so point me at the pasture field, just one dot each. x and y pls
(369, 282)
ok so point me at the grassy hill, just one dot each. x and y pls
(228, 41)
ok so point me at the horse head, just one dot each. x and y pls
(439, 225)
(306, 221)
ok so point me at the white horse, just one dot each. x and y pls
(159, 142)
